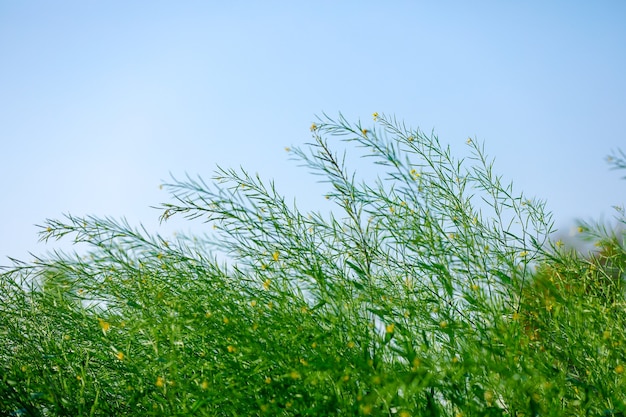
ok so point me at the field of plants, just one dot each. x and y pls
(433, 288)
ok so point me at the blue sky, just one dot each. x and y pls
(100, 101)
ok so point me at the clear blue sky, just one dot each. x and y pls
(101, 100)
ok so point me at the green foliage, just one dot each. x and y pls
(430, 290)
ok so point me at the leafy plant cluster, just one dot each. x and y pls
(434, 290)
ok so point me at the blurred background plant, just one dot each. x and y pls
(433, 288)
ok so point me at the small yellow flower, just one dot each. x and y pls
(404, 413)
(204, 385)
(559, 243)
(523, 253)
(287, 149)
(364, 131)
(275, 256)
(160, 382)
(469, 141)
(351, 344)
(266, 284)
(120, 356)
(231, 349)
(619, 369)
(104, 325)
(375, 116)
(268, 380)
(226, 320)
(580, 229)
(294, 375)
(253, 303)
(390, 328)
(488, 395)
(345, 378)
(366, 409)
(443, 324)
(313, 127)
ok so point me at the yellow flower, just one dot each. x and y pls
(469, 141)
(523, 253)
(266, 284)
(294, 375)
(375, 116)
(204, 385)
(231, 349)
(364, 131)
(253, 303)
(268, 380)
(488, 395)
(120, 356)
(160, 382)
(226, 320)
(404, 414)
(443, 324)
(580, 229)
(390, 328)
(313, 127)
(350, 344)
(619, 369)
(275, 256)
(104, 325)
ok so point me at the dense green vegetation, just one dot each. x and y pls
(431, 290)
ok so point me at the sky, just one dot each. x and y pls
(100, 102)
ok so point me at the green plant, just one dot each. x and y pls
(432, 289)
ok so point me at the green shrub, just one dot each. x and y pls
(432, 289)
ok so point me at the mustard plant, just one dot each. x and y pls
(431, 288)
